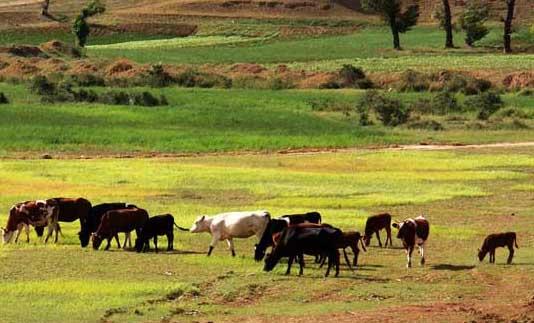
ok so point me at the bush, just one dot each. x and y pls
(390, 112)
(158, 77)
(422, 106)
(330, 105)
(3, 98)
(413, 81)
(353, 77)
(87, 79)
(466, 84)
(444, 103)
(472, 22)
(425, 125)
(145, 99)
(280, 84)
(486, 104)
(513, 113)
(42, 86)
(115, 98)
(526, 92)
(192, 78)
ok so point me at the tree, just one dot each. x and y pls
(510, 4)
(81, 28)
(447, 24)
(472, 22)
(391, 11)
(44, 8)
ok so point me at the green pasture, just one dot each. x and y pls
(211, 120)
(465, 195)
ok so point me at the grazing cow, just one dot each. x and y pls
(493, 241)
(349, 239)
(95, 217)
(157, 226)
(115, 221)
(311, 217)
(65, 210)
(297, 241)
(226, 226)
(413, 232)
(21, 216)
(376, 223)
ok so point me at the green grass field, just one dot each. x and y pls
(214, 120)
(465, 194)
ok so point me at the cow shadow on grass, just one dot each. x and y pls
(160, 252)
(451, 267)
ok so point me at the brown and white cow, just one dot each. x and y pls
(21, 216)
(413, 232)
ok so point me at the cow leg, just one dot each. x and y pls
(170, 241)
(356, 255)
(19, 230)
(492, 256)
(511, 255)
(422, 252)
(57, 232)
(409, 256)
(50, 231)
(323, 261)
(301, 264)
(378, 237)
(156, 243)
(347, 259)
(27, 229)
(213, 243)
(289, 263)
(231, 246)
(118, 242)
(388, 234)
(108, 245)
(126, 238)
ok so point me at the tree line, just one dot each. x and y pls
(399, 18)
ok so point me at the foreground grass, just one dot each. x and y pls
(214, 120)
(464, 194)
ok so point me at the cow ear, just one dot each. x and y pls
(395, 225)
(202, 218)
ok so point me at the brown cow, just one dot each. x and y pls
(115, 221)
(66, 210)
(493, 241)
(376, 223)
(413, 232)
(349, 239)
(21, 216)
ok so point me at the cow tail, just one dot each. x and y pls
(180, 228)
(515, 242)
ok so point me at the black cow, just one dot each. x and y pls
(297, 241)
(413, 232)
(493, 241)
(157, 226)
(376, 223)
(311, 217)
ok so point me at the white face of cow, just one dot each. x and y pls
(200, 225)
(6, 235)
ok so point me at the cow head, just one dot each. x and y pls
(270, 262)
(6, 235)
(200, 225)
(97, 241)
(366, 240)
(84, 237)
(259, 253)
(139, 244)
(481, 254)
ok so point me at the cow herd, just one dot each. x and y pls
(289, 236)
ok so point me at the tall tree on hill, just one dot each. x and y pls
(510, 6)
(398, 20)
(81, 28)
(447, 24)
(44, 8)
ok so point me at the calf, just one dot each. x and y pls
(115, 221)
(274, 227)
(375, 224)
(157, 226)
(95, 217)
(413, 232)
(226, 226)
(493, 241)
(350, 240)
(311, 217)
(297, 241)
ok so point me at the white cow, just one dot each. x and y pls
(226, 226)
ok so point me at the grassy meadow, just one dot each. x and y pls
(215, 120)
(465, 194)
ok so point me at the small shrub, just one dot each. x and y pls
(114, 98)
(526, 92)
(329, 85)
(280, 84)
(42, 86)
(84, 95)
(87, 79)
(145, 99)
(390, 112)
(444, 103)
(472, 22)
(466, 84)
(513, 113)
(193, 78)
(486, 104)
(514, 124)
(352, 77)
(158, 77)
(413, 81)
(249, 82)
(3, 98)
(422, 106)
(425, 125)
(187, 78)
(330, 105)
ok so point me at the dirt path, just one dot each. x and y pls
(12, 3)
